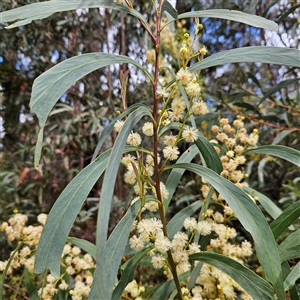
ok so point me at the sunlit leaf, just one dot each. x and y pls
(260, 169)
(38, 147)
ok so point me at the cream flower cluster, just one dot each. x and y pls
(175, 109)
(149, 232)
(78, 267)
(133, 290)
(16, 230)
(14, 227)
(214, 284)
(75, 264)
(231, 141)
(211, 281)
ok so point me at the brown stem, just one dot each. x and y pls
(262, 122)
(155, 145)
(109, 78)
(123, 42)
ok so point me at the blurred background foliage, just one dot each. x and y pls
(266, 95)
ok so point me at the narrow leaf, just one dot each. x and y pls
(110, 127)
(256, 286)
(232, 15)
(28, 20)
(278, 87)
(290, 247)
(168, 287)
(251, 218)
(38, 148)
(128, 273)
(51, 85)
(176, 174)
(281, 135)
(207, 151)
(260, 169)
(292, 277)
(84, 245)
(63, 215)
(288, 217)
(287, 153)
(269, 205)
(186, 100)
(248, 107)
(212, 159)
(195, 274)
(293, 293)
(116, 244)
(271, 208)
(254, 79)
(30, 288)
(167, 7)
(238, 96)
(176, 223)
(289, 11)
(280, 56)
(8, 264)
(102, 288)
(36, 11)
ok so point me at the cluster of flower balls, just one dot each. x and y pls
(77, 277)
(231, 141)
(210, 281)
(178, 111)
